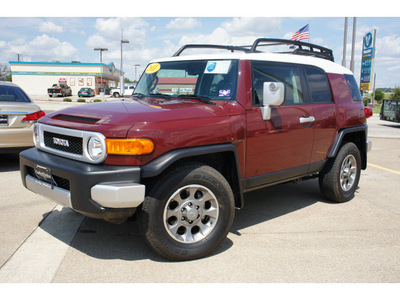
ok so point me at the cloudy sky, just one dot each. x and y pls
(159, 33)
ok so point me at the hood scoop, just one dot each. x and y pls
(76, 119)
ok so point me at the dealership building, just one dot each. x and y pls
(36, 77)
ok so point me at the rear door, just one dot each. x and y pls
(324, 112)
(281, 147)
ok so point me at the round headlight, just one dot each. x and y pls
(95, 148)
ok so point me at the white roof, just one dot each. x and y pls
(326, 65)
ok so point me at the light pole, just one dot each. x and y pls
(136, 65)
(101, 66)
(345, 42)
(122, 73)
(352, 44)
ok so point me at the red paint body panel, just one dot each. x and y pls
(279, 144)
(349, 113)
(324, 130)
(245, 91)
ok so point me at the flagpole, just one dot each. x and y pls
(309, 29)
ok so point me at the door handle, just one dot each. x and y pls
(310, 119)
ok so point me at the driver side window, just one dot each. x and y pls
(268, 72)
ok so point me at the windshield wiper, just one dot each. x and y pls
(165, 96)
(204, 99)
(139, 95)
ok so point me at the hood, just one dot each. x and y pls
(119, 116)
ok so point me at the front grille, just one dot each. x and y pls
(58, 181)
(69, 143)
(74, 143)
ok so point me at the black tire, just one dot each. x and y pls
(116, 95)
(168, 217)
(339, 179)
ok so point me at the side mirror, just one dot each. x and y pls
(273, 95)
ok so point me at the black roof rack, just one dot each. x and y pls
(303, 48)
(313, 50)
(209, 46)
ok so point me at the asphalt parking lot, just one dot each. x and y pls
(286, 233)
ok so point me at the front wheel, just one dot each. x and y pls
(339, 179)
(188, 212)
(116, 95)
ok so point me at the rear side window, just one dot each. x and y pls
(355, 92)
(318, 84)
(12, 94)
(287, 74)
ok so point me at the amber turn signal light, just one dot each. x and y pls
(129, 146)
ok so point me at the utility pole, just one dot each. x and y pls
(353, 44)
(101, 68)
(121, 84)
(346, 20)
(373, 92)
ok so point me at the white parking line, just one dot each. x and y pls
(38, 259)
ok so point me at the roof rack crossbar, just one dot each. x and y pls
(322, 53)
(313, 50)
(211, 46)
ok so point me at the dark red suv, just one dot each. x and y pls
(198, 132)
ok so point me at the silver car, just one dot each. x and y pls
(17, 114)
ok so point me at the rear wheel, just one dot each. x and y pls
(116, 95)
(188, 212)
(339, 179)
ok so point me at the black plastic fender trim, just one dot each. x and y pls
(160, 164)
(339, 138)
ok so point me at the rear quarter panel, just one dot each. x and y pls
(349, 112)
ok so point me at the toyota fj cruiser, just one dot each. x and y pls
(198, 132)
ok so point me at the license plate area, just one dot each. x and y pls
(44, 174)
(3, 120)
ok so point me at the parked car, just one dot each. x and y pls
(182, 152)
(17, 115)
(128, 90)
(86, 92)
(60, 89)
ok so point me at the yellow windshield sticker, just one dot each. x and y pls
(153, 68)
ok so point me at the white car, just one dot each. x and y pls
(128, 90)
(17, 114)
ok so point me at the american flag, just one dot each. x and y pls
(301, 34)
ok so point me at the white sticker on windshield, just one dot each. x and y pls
(217, 67)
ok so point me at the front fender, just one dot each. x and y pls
(160, 164)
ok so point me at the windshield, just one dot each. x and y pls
(213, 79)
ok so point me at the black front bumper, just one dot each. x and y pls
(75, 179)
